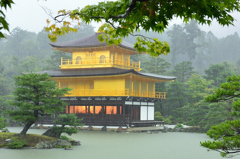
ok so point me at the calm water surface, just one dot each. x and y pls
(111, 145)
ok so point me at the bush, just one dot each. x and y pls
(178, 126)
(64, 120)
(65, 138)
(168, 120)
(17, 144)
(3, 124)
(158, 116)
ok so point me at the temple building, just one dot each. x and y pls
(108, 89)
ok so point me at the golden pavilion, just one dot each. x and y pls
(108, 89)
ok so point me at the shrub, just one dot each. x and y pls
(168, 120)
(64, 120)
(178, 126)
(3, 124)
(17, 144)
(158, 116)
(65, 138)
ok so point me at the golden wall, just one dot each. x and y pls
(107, 86)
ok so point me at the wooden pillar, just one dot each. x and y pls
(140, 92)
(123, 109)
(88, 109)
(147, 89)
(132, 91)
(118, 109)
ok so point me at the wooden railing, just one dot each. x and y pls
(134, 93)
(97, 62)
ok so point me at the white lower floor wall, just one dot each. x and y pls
(150, 113)
(143, 113)
(146, 112)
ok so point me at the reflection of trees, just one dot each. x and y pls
(102, 111)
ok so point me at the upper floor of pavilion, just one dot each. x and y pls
(89, 52)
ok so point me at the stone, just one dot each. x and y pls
(75, 143)
(41, 127)
(8, 140)
(61, 143)
(90, 128)
(149, 132)
(67, 148)
(104, 128)
(44, 145)
(170, 130)
(119, 129)
(164, 130)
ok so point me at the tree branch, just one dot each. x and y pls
(130, 32)
(125, 15)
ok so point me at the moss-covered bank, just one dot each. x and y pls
(29, 140)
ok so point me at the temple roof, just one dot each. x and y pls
(101, 72)
(88, 42)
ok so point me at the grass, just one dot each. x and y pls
(30, 139)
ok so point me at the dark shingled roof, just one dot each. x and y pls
(100, 72)
(89, 41)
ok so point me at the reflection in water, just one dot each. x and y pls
(111, 145)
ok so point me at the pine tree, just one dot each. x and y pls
(226, 136)
(35, 95)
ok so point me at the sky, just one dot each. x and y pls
(29, 15)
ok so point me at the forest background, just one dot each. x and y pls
(200, 61)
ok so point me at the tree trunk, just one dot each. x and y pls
(53, 132)
(25, 129)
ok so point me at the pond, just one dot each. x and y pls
(112, 145)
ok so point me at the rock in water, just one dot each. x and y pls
(62, 143)
(67, 148)
(44, 145)
(75, 143)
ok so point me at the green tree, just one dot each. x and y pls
(156, 65)
(198, 86)
(178, 42)
(226, 136)
(64, 120)
(183, 71)
(5, 103)
(192, 33)
(4, 5)
(158, 116)
(219, 72)
(35, 95)
(206, 115)
(3, 123)
(55, 60)
(177, 97)
(195, 113)
(123, 17)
